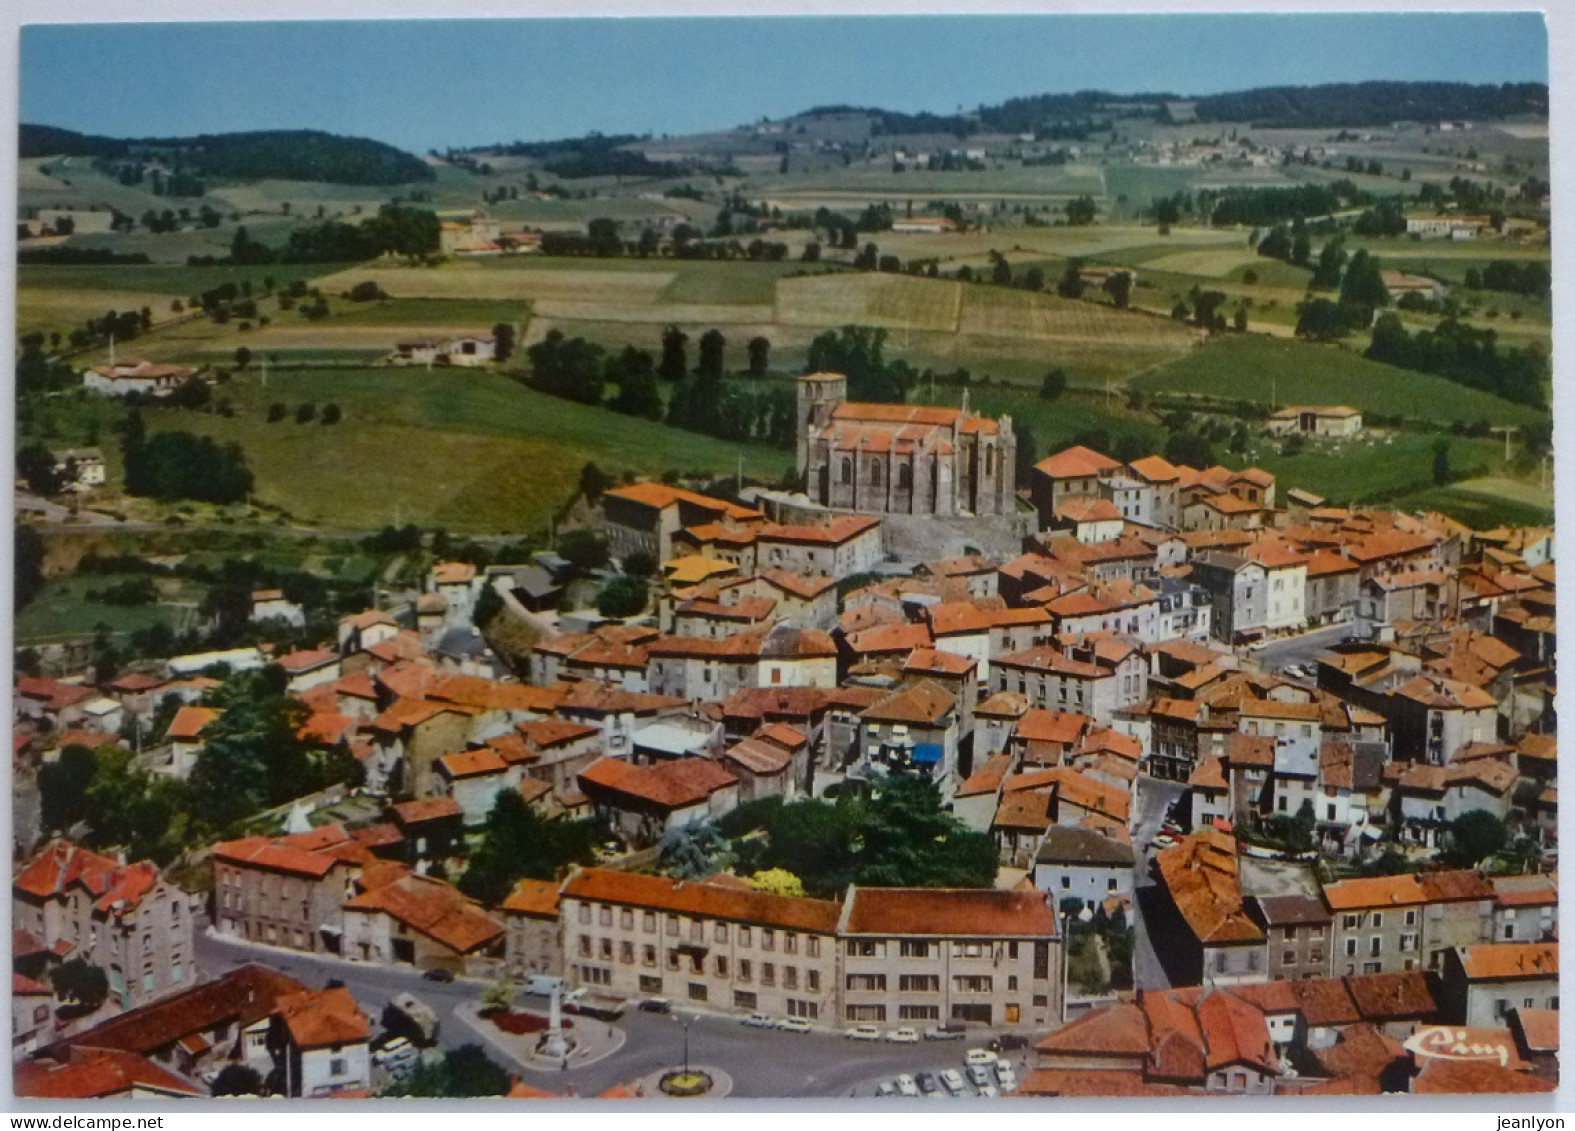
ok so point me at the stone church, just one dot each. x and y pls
(895, 459)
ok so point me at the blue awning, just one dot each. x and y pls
(927, 753)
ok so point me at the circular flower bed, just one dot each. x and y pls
(685, 1084)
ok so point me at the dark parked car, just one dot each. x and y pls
(656, 1005)
(438, 974)
(1007, 1041)
(928, 1084)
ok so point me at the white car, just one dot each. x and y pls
(952, 1081)
(981, 1056)
(760, 1021)
(903, 1036)
(906, 1086)
(863, 1033)
(988, 1090)
(1006, 1076)
(979, 1075)
(793, 1025)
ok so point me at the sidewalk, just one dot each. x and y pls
(594, 1041)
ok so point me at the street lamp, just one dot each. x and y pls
(693, 1017)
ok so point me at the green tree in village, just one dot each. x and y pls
(518, 843)
(253, 756)
(79, 984)
(623, 596)
(1474, 836)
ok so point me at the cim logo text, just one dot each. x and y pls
(1443, 1042)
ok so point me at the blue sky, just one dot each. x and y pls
(422, 84)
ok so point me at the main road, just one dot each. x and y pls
(763, 1063)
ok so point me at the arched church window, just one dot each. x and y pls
(875, 473)
(847, 470)
(904, 477)
(989, 461)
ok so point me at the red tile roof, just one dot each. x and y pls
(707, 900)
(1497, 961)
(241, 996)
(1116, 1030)
(61, 865)
(425, 809)
(436, 909)
(535, 898)
(674, 784)
(1077, 462)
(948, 911)
(322, 1018)
(96, 1074)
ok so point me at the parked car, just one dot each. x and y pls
(396, 1049)
(438, 974)
(656, 1005)
(979, 1075)
(1006, 1076)
(860, 1033)
(951, 1031)
(928, 1084)
(885, 1088)
(952, 1081)
(544, 984)
(906, 1086)
(982, 1056)
(1008, 1041)
(988, 1090)
(760, 1021)
(793, 1025)
(903, 1036)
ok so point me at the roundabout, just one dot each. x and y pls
(683, 1084)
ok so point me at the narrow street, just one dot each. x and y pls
(1154, 797)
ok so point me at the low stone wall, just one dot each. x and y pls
(921, 538)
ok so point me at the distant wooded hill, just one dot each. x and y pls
(1372, 103)
(290, 155)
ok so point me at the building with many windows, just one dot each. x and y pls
(881, 955)
(717, 946)
(928, 955)
(126, 919)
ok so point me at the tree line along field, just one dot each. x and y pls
(1012, 335)
(1272, 372)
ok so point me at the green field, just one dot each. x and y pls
(1479, 511)
(475, 452)
(1375, 471)
(480, 314)
(64, 610)
(1271, 371)
(1055, 424)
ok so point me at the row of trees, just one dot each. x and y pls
(1505, 275)
(180, 465)
(1261, 207)
(1466, 355)
(395, 230)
